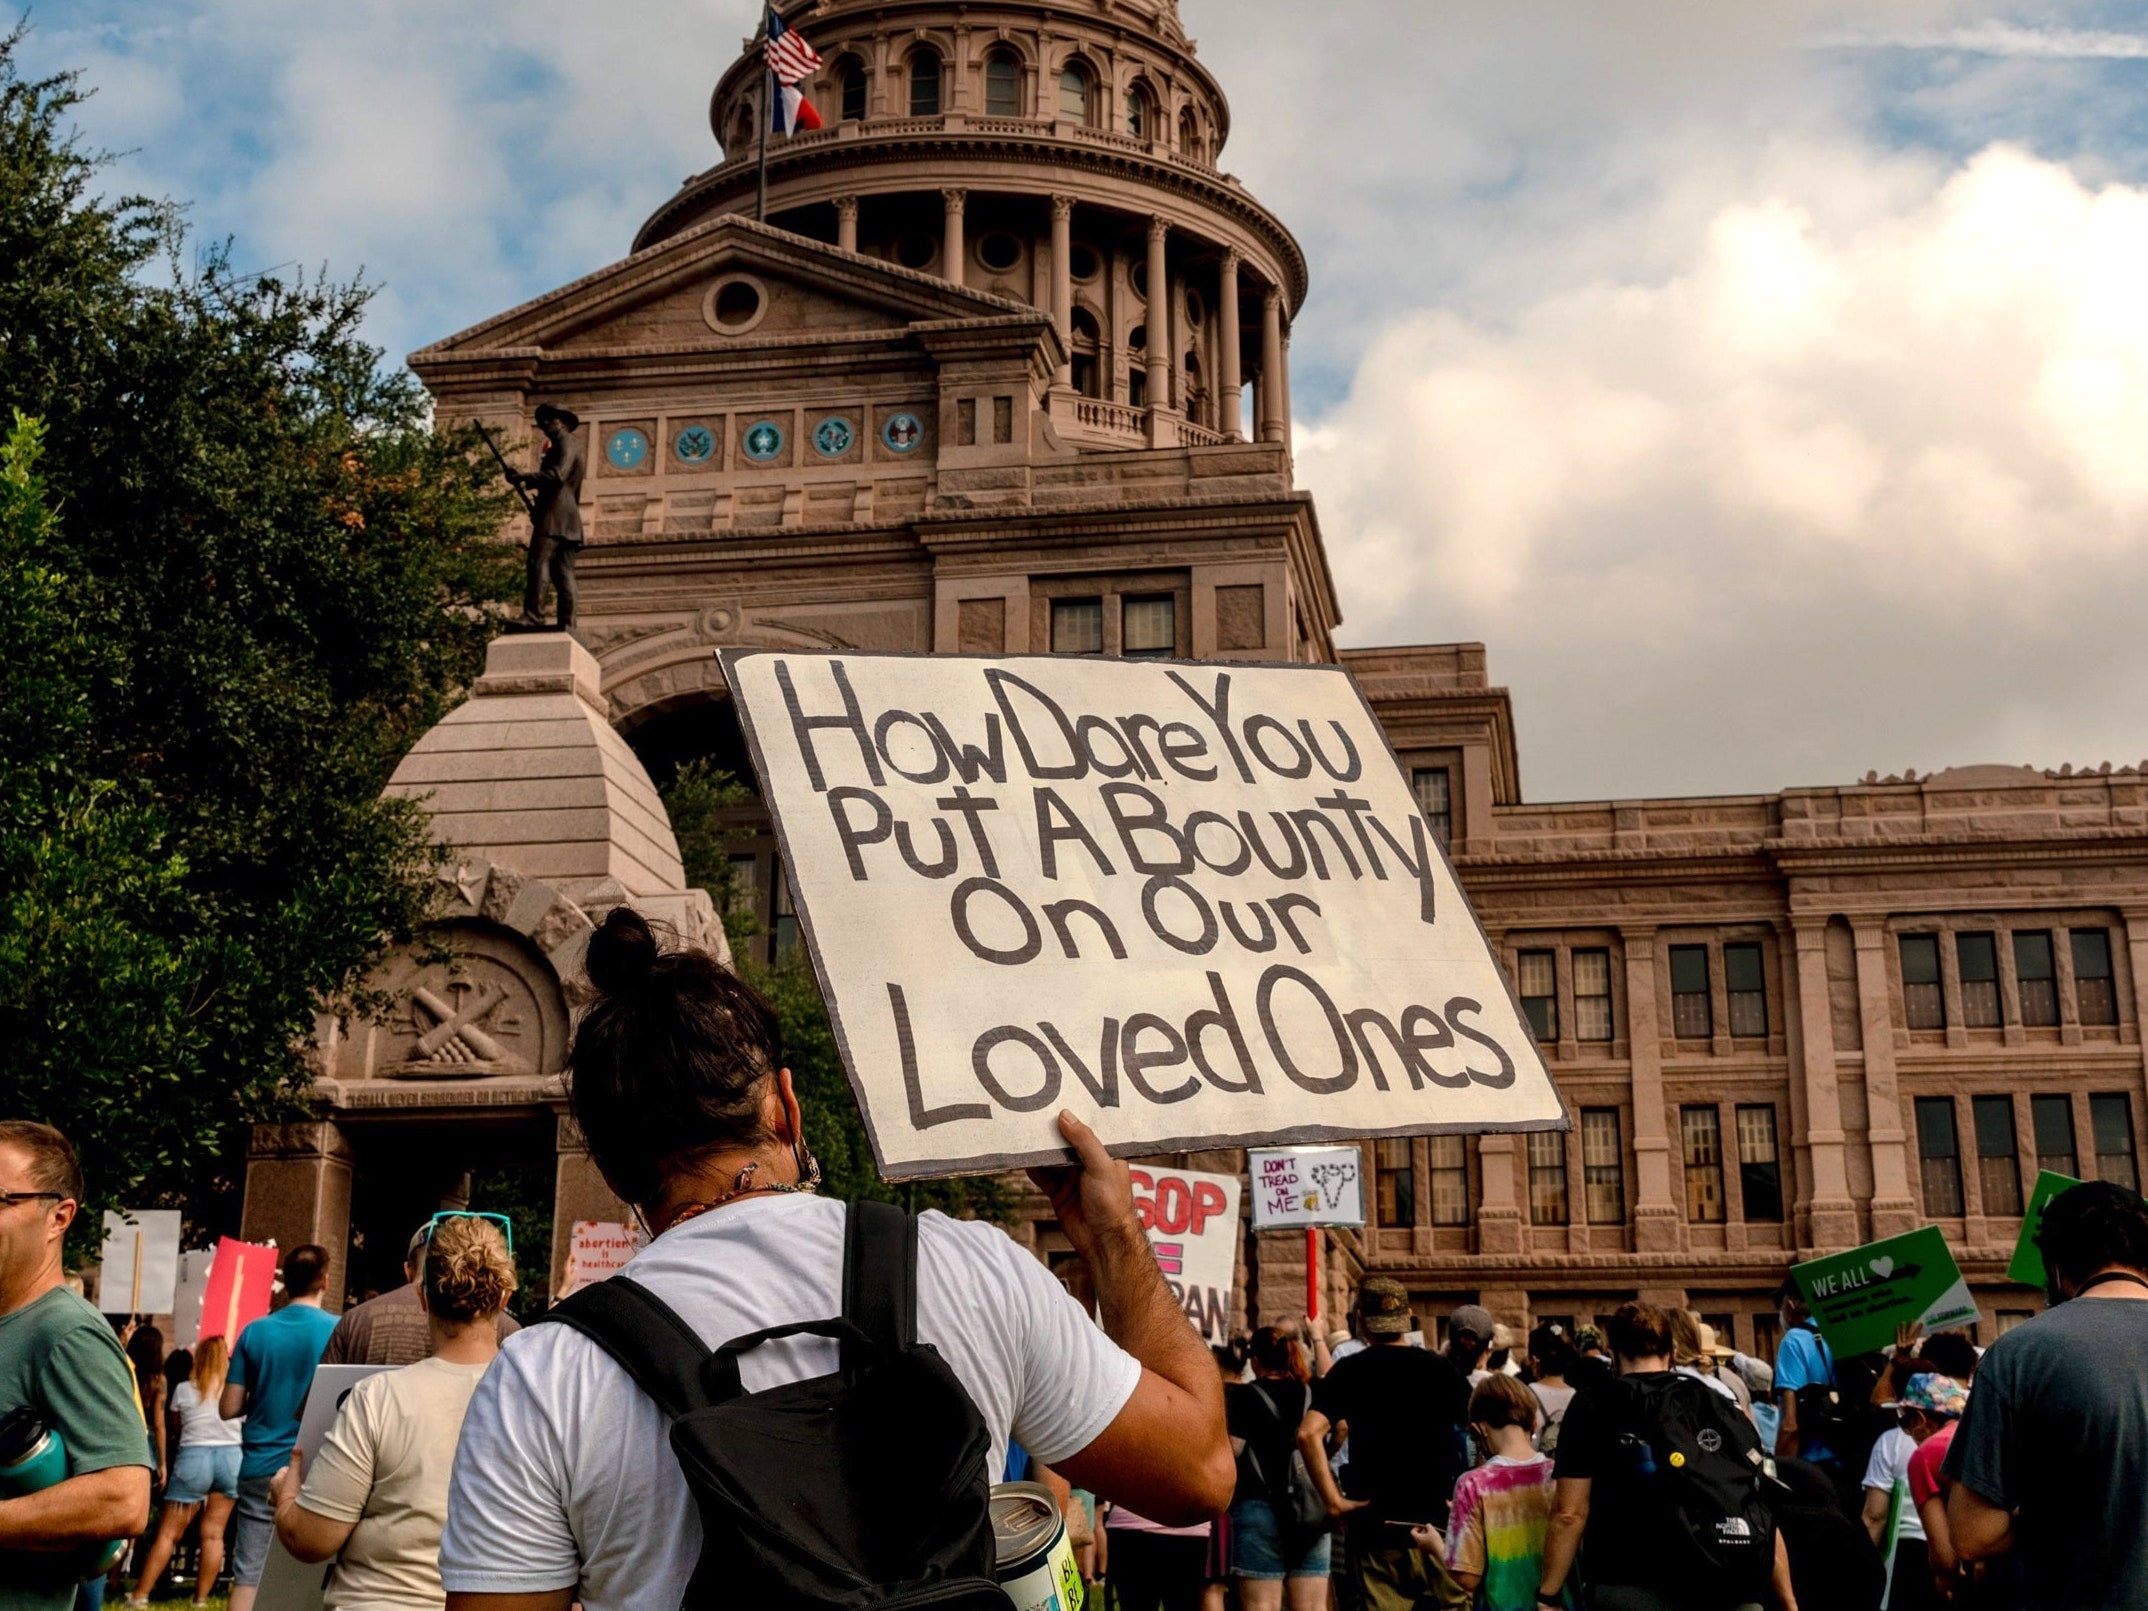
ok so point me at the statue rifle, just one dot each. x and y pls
(508, 471)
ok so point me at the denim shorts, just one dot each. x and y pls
(253, 1532)
(1257, 1549)
(202, 1470)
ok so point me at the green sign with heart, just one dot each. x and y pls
(1859, 1298)
(2028, 1262)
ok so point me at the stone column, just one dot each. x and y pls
(846, 223)
(298, 1190)
(1283, 386)
(1229, 378)
(1063, 282)
(876, 104)
(578, 1192)
(2136, 940)
(1893, 1209)
(953, 253)
(1501, 1164)
(1830, 1213)
(1658, 1227)
(1158, 316)
(1181, 339)
(1271, 367)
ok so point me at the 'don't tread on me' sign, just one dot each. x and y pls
(1197, 904)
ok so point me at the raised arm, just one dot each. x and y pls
(1166, 1454)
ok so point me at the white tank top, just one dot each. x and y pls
(200, 1426)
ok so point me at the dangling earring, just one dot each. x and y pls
(809, 1176)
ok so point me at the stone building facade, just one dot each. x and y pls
(1007, 369)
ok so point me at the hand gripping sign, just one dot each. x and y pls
(1195, 903)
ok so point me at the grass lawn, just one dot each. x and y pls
(215, 1603)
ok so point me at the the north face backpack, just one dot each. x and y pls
(1705, 1469)
(798, 1503)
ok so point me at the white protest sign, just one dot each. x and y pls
(1319, 1186)
(599, 1251)
(1192, 1221)
(1197, 904)
(194, 1267)
(141, 1262)
(286, 1583)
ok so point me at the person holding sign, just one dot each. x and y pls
(75, 1460)
(565, 1482)
(2052, 1454)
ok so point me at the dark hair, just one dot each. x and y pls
(305, 1270)
(1551, 1350)
(53, 1164)
(1788, 1293)
(2093, 1227)
(669, 1062)
(178, 1366)
(146, 1349)
(1903, 1367)
(1950, 1354)
(1500, 1401)
(1640, 1331)
(1277, 1352)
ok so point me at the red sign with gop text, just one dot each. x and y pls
(1192, 1221)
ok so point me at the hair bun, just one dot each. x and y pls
(623, 952)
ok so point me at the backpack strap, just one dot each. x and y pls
(880, 1277)
(645, 1335)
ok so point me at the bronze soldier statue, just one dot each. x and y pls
(555, 520)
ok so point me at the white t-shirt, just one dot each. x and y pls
(200, 1427)
(1890, 1464)
(565, 1475)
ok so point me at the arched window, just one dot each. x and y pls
(925, 84)
(1189, 137)
(850, 75)
(1140, 113)
(742, 128)
(1074, 84)
(1003, 85)
(1088, 354)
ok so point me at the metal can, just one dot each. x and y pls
(1033, 1560)
(32, 1457)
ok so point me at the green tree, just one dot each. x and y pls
(268, 577)
(712, 814)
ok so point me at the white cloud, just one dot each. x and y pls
(2001, 39)
(1812, 496)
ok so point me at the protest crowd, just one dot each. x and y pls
(784, 1401)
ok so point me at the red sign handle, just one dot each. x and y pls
(1312, 1273)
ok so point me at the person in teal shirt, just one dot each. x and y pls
(60, 1361)
(271, 1373)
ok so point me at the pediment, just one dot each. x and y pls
(659, 299)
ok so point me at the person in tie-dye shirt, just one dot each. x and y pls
(1495, 1531)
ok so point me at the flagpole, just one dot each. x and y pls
(768, 116)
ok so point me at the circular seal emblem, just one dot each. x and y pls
(903, 432)
(832, 438)
(627, 449)
(764, 441)
(1710, 1440)
(695, 445)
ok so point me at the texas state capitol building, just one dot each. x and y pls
(1008, 369)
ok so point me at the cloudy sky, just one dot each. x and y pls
(1765, 381)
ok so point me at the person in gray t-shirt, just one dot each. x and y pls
(2052, 1455)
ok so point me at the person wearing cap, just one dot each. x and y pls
(392, 1329)
(1916, 1420)
(1804, 1364)
(556, 521)
(1469, 1338)
(1405, 1411)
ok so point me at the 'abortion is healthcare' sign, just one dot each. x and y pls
(1197, 904)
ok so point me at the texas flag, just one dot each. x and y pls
(790, 59)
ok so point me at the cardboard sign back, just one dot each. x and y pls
(242, 1283)
(140, 1274)
(1197, 904)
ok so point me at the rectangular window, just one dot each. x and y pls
(1547, 1178)
(2005, 1320)
(1077, 626)
(1998, 1167)
(1603, 1166)
(1149, 628)
(1433, 786)
(1748, 988)
(1939, 1151)
(745, 886)
(2094, 990)
(1450, 1180)
(1702, 1130)
(1395, 1178)
(1978, 957)
(1691, 1016)
(1922, 999)
(783, 917)
(2110, 1120)
(1592, 995)
(2052, 1119)
(2036, 971)
(1760, 1168)
(1538, 971)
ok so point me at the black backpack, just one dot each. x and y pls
(861, 1491)
(1703, 1462)
(1299, 1510)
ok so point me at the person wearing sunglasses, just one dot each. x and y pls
(61, 1364)
(392, 1329)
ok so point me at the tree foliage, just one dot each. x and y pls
(267, 577)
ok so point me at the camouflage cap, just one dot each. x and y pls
(1385, 1305)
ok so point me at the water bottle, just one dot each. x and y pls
(33, 1457)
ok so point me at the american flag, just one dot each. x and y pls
(790, 58)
